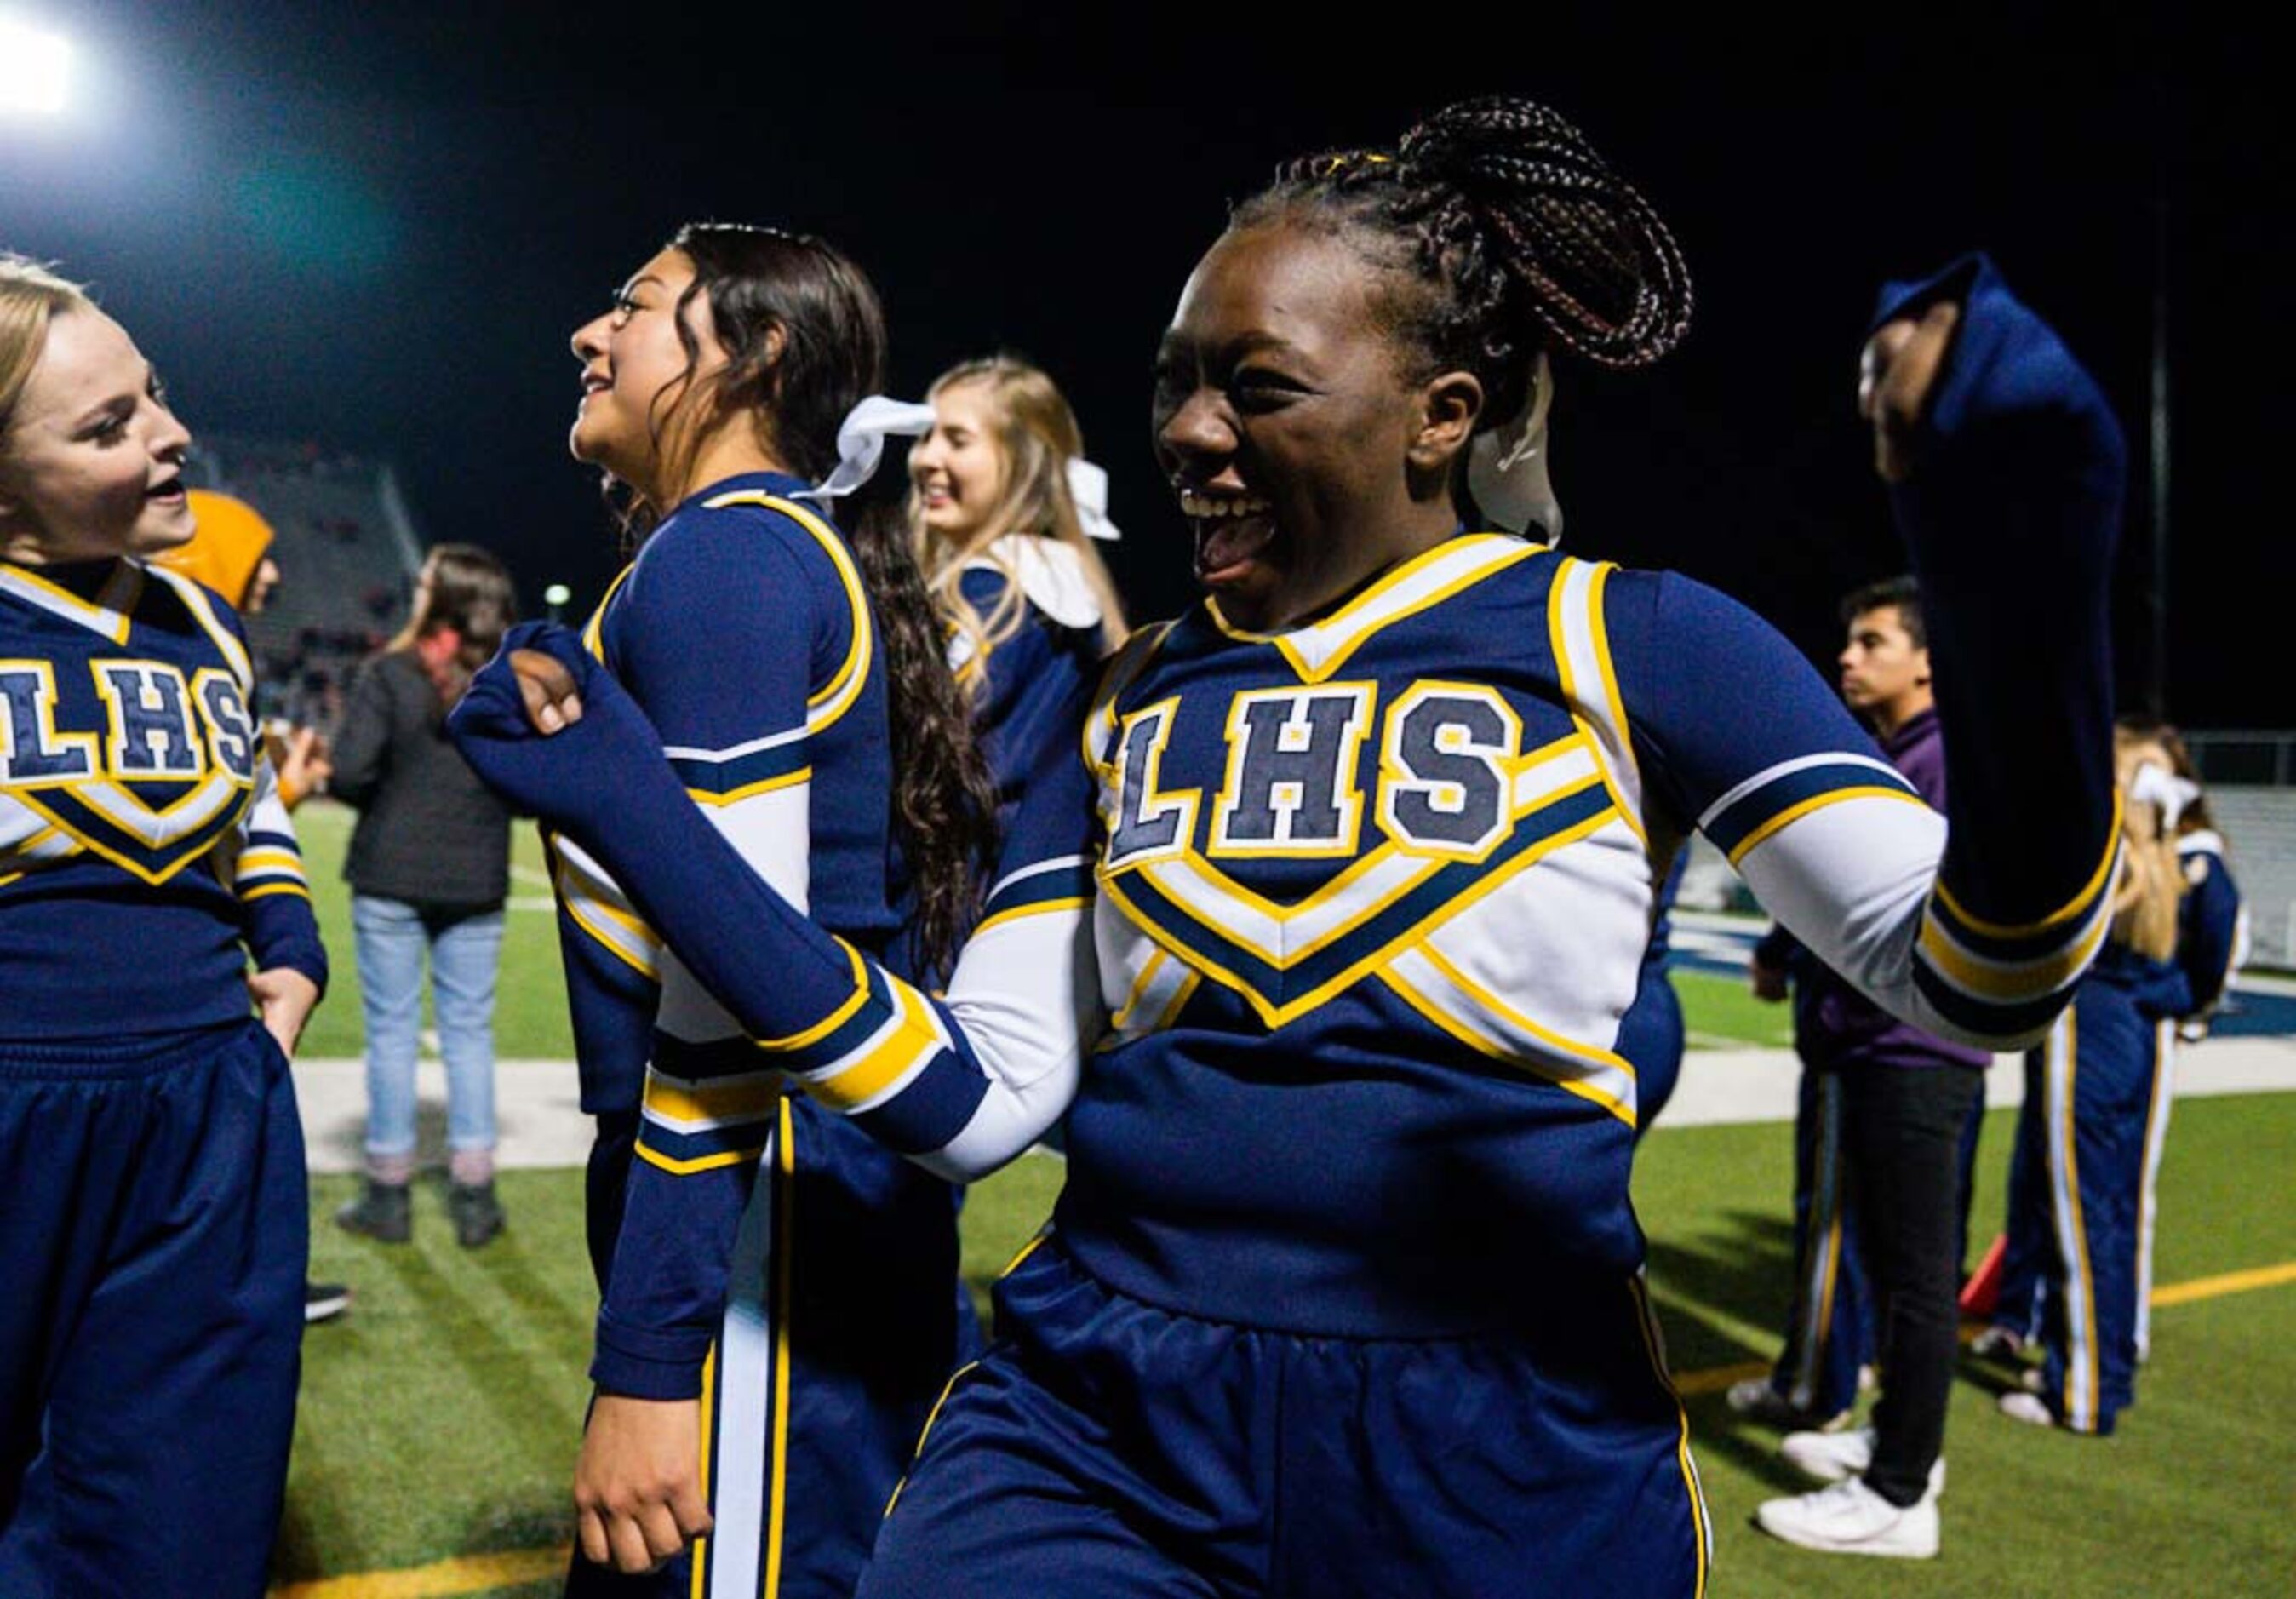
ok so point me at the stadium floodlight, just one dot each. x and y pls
(34, 68)
(557, 594)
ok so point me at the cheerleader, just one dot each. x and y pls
(1325, 944)
(1005, 509)
(155, 1231)
(779, 1295)
(2078, 1265)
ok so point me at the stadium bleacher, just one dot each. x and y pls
(347, 552)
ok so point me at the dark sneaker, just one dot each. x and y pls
(477, 1214)
(1756, 1400)
(381, 1211)
(324, 1302)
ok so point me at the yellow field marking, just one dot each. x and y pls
(1714, 1379)
(2231, 1282)
(475, 1573)
(466, 1574)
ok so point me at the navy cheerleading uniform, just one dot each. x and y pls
(155, 1231)
(754, 1249)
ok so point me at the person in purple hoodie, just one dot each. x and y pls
(1880, 1134)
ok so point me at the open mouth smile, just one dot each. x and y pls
(1232, 531)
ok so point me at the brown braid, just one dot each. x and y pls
(1525, 236)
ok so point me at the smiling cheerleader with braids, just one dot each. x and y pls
(1324, 943)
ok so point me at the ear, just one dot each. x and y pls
(15, 522)
(1449, 404)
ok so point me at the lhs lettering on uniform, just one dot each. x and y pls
(1290, 781)
(1448, 753)
(157, 726)
(31, 749)
(150, 708)
(1445, 768)
(1148, 822)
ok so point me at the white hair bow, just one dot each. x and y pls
(2152, 784)
(861, 442)
(1506, 465)
(1088, 487)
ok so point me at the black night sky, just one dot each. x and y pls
(375, 226)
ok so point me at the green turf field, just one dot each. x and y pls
(439, 1419)
(530, 1014)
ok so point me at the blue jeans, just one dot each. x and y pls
(465, 952)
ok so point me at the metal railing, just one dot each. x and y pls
(2251, 758)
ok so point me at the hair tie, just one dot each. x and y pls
(1507, 464)
(1088, 487)
(861, 443)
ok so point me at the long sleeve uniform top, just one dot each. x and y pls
(742, 630)
(1021, 690)
(2209, 928)
(144, 855)
(1835, 1024)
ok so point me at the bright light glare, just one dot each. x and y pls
(33, 68)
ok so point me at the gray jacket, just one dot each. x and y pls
(429, 833)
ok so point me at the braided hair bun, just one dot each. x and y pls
(1520, 238)
(1603, 276)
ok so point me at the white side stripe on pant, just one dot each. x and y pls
(2072, 1238)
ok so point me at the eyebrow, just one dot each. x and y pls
(1235, 350)
(1256, 344)
(111, 403)
(643, 277)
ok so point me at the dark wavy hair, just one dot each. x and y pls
(465, 589)
(1504, 235)
(804, 336)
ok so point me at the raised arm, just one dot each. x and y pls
(2008, 486)
(2008, 468)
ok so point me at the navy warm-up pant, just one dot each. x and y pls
(841, 1328)
(1829, 1331)
(1106, 1447)
(154, 1237)
(2078, 1228)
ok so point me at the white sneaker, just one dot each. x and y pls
(2019, 1405)
(1832, 1456)
(1851, 1519)
(1756, 1399)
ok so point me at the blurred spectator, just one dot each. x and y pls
(2095, 1097)
(1885, 1110)
(430, 869)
